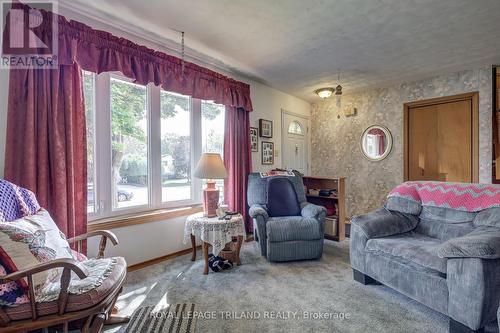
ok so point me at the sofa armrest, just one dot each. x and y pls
(310, 210)
(258, 210)
(473, 287)
(383, 222)
(483, 242)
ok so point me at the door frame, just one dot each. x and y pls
(284, 132)
(473, 97)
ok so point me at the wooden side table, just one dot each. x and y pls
(214, 232)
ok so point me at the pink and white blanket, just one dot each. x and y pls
(459, 196)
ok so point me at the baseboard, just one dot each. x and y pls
(154, 261)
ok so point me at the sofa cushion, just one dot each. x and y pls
(76, 302)
(293, 228)
(443, 231)
(483, 242)
(282, 198)
(488, 217)
(403, 205)
(383, 222)
(412, 247)
(446, 215)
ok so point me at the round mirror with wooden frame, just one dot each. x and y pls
(376, 142)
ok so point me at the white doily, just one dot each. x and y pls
(214, 231)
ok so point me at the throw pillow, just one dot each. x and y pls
(26, 242)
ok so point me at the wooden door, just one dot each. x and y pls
(441, 139)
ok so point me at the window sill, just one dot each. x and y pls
(142, 218)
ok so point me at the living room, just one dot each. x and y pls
(329, 166)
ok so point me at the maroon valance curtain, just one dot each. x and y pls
(99, 51)
(46, 142)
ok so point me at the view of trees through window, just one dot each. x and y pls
(175, 146)
(129, 145)
(130, 171)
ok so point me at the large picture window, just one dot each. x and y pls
(143, 144)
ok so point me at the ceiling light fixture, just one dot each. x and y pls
(328, 91)
(324, 92)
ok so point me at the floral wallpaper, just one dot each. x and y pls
(336, 150)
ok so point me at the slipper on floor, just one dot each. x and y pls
(218, 264)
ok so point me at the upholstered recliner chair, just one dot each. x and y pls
(285, 225)
(438, 243)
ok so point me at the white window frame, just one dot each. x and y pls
(102, 151)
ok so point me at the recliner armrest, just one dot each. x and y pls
(483, 242)
(258, 210)
(310, 210)
(383, 223)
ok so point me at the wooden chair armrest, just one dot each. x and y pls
(68, 266)
(105, 234)
(71, 264)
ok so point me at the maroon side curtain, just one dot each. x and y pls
(237, 160)
(46, 142)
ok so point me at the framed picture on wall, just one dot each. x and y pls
(267, 153)
(254, 138)
(265, 128)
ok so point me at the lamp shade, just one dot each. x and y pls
(210, 166)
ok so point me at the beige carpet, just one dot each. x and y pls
(308, 296)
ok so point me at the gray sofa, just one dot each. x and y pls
(445, 258)
(286, 226)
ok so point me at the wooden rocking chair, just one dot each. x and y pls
(88, 311)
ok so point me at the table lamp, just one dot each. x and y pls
(210, 167)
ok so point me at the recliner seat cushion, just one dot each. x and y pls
(282, 198)
(412, 247)
(293, 228)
